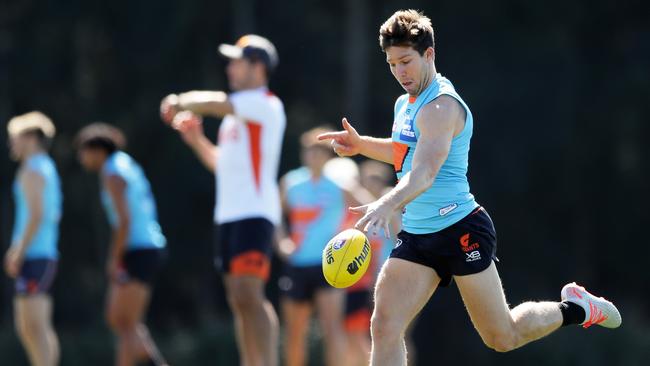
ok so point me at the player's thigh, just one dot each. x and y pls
(32, 312)
(127, 302)
(485, 301)
(402, 289)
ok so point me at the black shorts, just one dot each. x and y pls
(467, 247)
(301, 283)
(358, 309)
(36, 276)
(244, 247)
(141, 265)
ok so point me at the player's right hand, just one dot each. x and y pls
(286, 247)
(345, 143)
(169, 107)
(13, 262)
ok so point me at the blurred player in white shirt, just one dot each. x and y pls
(245, 162)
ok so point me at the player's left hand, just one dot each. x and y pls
(13, 262)
(376, 215)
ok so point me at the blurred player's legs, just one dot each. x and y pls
(33, 314)
(256, 322)
(296, 316)
(403, 288)
(127, 303)
(329, 306)
(304, 290)
(358, 308)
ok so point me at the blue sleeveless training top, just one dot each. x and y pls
(317, 210)
(44, 242)
(145, 232)
(449, 199)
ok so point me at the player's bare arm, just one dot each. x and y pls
(204, 103)
(33, 185)
(348, 142)
(438, 122)
(116, 187)
(190, 127)
(284, 244)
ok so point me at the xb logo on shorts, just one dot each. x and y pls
(470, 249)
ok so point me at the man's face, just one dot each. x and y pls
(91, 159)
(240, 74)
(315, 157)
(409, 67)
(17, 144)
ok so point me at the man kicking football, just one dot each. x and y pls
(445, 234)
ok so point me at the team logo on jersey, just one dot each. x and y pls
(447, 209)
(407, 133)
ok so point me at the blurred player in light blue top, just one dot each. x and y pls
(136, 252)
(32, 258)
(315, 208)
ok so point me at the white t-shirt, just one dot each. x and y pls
(250, 143)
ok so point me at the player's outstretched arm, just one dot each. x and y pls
(348, 142)
(190, 127)
(204, 103)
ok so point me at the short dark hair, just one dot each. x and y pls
(100, 135)
(407, 28)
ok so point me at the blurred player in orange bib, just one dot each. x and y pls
(245, 162)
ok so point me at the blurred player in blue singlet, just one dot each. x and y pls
(137, 244)
(315, 207)
(32, 258)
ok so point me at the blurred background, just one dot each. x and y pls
(560, 92)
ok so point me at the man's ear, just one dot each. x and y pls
(430, 53)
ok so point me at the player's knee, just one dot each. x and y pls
(118, 323)
(30, 327)
(245, 298)
(333, 330)
(384, 327)
(501, 342)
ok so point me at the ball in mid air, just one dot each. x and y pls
(346, 258)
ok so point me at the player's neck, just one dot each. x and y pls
(33, 151)
(256, 85)
(316, 173)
